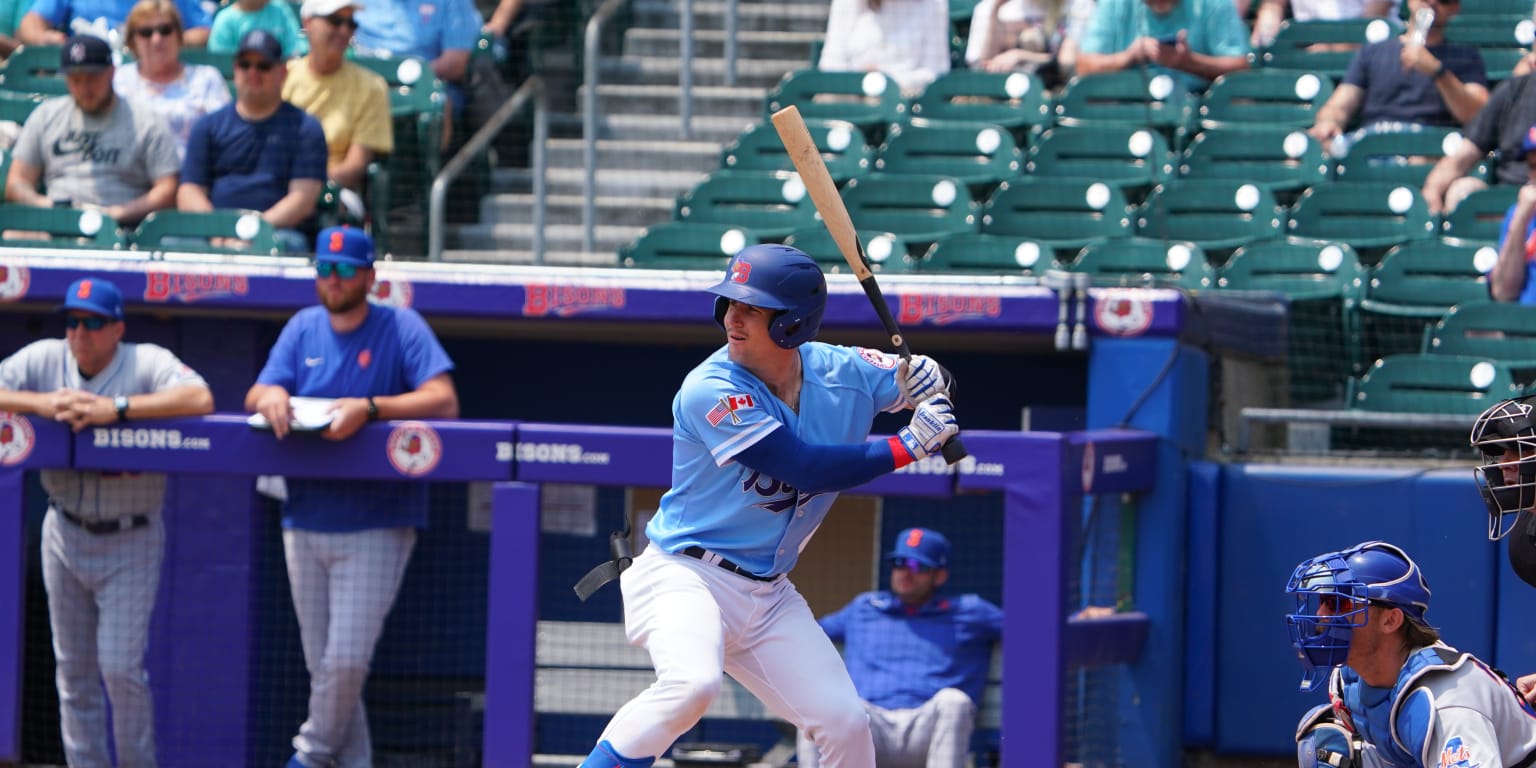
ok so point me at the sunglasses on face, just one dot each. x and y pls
(164, 30)
(324, 269)
(259, 66)
(909, 564)
(91, 323)
(337, 20)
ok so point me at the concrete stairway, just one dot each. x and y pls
(643, 162)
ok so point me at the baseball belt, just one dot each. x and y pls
(100, 527)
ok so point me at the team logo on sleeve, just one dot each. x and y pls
(727, 407)
(877, 358)
(16, 439)
(1456, 754)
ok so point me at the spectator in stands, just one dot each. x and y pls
(1399, 85)
(1510, 279)
(1501, 125)
(104, 534)
(347, 542)
(92, 149)
(1195, 40)
(1027, 35)
(260, 153)
(51, 21)
(180, 93)
(275, 16)
(351, 103)
(442, 32)
(919, 659)
(1272, 12)
(906, 39)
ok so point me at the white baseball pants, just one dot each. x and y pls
(935, 735)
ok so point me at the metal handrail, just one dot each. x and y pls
(730, 43)
(589, 120)
(532, 88)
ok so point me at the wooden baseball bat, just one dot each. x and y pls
(802, 151)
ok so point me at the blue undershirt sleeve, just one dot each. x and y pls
(817, 468)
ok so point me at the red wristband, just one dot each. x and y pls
(899, 452)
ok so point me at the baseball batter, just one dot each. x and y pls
(347, 543)
(1398, 696)
(103, 535)
(766, 431)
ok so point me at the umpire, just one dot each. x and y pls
(103, 536)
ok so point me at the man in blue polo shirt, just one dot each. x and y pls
(260, 153)
(442, 32)
(347, 542)
(49, 22)
(918, 659)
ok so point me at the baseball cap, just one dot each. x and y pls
(325, 7)
(926, 546)
(262, 43)
(344, 245)
(93, 295)
(85, 53)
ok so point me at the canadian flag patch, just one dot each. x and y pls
(727, 407)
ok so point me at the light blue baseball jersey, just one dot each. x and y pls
(715, 502)
(422, 28)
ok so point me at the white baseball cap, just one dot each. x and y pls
(325, 7)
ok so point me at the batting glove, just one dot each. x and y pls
(933, 424)
(921, 378)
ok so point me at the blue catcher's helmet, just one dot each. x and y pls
(776, 277)
(1505, 435)
(1345, 583)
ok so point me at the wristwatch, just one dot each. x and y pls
(120, 403)
(373, 409)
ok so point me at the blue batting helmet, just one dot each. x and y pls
(776, 277)
(1345, 583)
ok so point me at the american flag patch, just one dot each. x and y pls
(728, 406)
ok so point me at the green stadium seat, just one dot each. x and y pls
(870, 100)
(1274, 98)
(1501, 331)
(34, 69)
(1441, 384)
(233, 232)
(1500, 40)
(1016, 101)
(976, 253)
(686, 245)
(1370, 216)
(1066, 214)
(1480, 215)
(770, 203)
(1286, 160)
(1143, 262)
(1130, 157)
(416, 102)
(224, 62)
(1296, 44)
(1509, 10)
(886, 251)
(16, 107)
(1127, 97)
(1219, 215)
(921, 209)
(1414, 286)
(1399, 157)
(978, 154)
(22, 226)
(842, 146)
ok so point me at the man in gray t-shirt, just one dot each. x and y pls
(92, 148)
(103, 536)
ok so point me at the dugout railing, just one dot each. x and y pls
(1042, 477)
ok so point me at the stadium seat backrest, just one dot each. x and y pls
(1131, 96)
(921, 209)
(1402, 157)
(1301, 269)
(23, 226)
(1480, 215)
(1066, 213)
(224, 61)
(842, 146)
(1138, 262)
(1264, 97)
(886, 251)
(866, 99)
(34, 69)
(770, 203)
(1296, 43)
(1441, 384)
(1373, 215)
(1215, 213)
(979, 154)
(1015, 100)
(686, 245)
(1118, 154)
(225, 231)
(1277, 157)
(976, 253)
(1503, 331)
(17, 108)
(1430, 276)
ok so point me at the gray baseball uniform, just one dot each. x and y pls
(107, 160)
(101, 585)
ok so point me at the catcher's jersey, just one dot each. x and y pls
(136, 369)
(1447, 709)
(757, 521)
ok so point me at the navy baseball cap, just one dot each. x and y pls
(263, 44)
(344, 245)
(85, 53)
(94, 295)
(926, 546)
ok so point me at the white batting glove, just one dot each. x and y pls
(920, 378)
(933, 424)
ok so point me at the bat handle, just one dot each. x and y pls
(954, 450)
